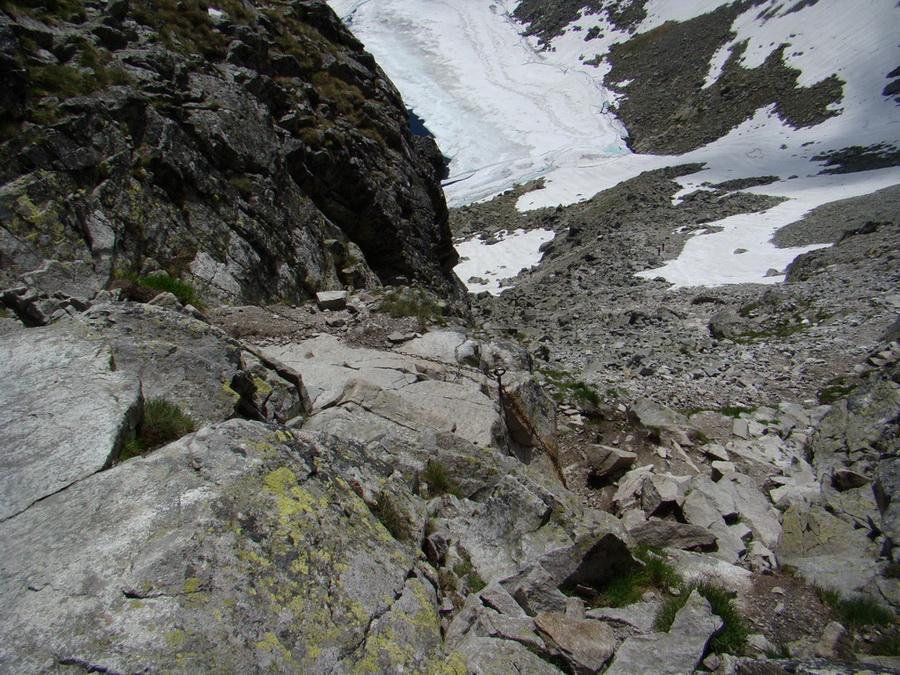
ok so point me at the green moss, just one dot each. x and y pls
(567, 387)
(163, 282)
(836, 389)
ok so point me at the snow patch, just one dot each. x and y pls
(742, 252)
(496, 262)
(508, 112)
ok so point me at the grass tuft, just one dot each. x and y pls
(164, 283)
(864, 611)
(628, 588)
(438, 482)
(162, 423)
(857, 611)
(391, 517)
(887, 645)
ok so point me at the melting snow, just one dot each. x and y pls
(512, 253)
(507, 112)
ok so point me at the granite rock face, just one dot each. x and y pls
(258, 154)
(55, 436)
(219, 551)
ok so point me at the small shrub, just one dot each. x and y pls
(243, 185)
(419, 306)
(163, 423)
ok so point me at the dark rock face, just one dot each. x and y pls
(259, 153)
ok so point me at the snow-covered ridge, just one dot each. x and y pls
(507, 112)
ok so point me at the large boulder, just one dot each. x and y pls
(263, 155)
(194, 364)
(64, 411)
(677, 652)
(226, 550)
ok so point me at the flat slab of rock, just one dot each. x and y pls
(220, 552)
(64, 411)
(327, 364)
(415, 394)
(640, 615)
(662, 533)
(589, 643)
(333, 300)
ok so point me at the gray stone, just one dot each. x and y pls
(200, 557)
(521, 629)
(834, 643)
(587, 643)
(605, 460)
(536, 592)
(727, 324)
(663, 533)
(828, 550)
(674, 653)
(655, 416)
(443, 345)
(64, 412)
(496, 597)
(333, 300)
(488, 656)
(641, 615)
(530, 413)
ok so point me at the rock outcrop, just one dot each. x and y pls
(254, 150)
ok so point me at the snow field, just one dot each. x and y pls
(507, 112)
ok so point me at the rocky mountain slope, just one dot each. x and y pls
(255, 150)
(591, 473)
